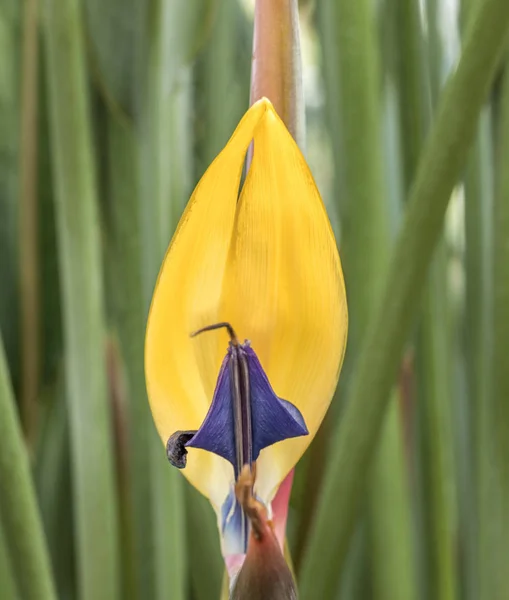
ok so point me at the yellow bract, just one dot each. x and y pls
(268, 264)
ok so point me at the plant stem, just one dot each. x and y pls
(277, 70)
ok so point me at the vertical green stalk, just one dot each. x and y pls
(354, 584)
(29, 270)
(390, 523)
(205, 556)
(500, 372)
(365, 247)
(10, 68)
(82, 302)
(163, 155)
(435, 408)
(478, 571)
(52, 475)
(477, 332)
(364, 219)
(128, 302)
(23, 534)
(442, 159)
(418, 86)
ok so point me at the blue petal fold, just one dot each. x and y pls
(272, 418)
(216, 433)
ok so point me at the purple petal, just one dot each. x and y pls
(217, 432)
(272, 419)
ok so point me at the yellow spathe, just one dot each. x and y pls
(268, 264)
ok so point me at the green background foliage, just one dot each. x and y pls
(110, 111)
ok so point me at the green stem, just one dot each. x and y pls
(390, 515)
(365, 221)
(419, 89)
(52, 476)
(478, 260)
(435, 408)
(20, 518)
(478, 562)
(29, 255)
(350, 48)
(208, 565)
(479, 575)
(10, 113)
(129, 318)
(439, 168)
(81, 281)
(500, 372)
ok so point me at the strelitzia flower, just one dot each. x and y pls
(247, 329)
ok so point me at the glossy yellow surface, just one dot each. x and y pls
(266, 262)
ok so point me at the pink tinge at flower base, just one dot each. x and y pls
(280, 506)
(258, 279)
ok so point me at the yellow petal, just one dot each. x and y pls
(284, 289)
(180, 371)
(268, 265)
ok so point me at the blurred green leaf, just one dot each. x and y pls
(82, 303)
(10, 36)
(420, 51)
(51, 323)
(9, 589)
(206, 564)
(478, 266)
(364, 219)
(439, 168)
(350, 47)
(391, 528)
(117, 31)
(52, 474)
(154, 160)
(113, 31)
(435, 412)
(500, 373)
(126, 297)
(20, 518)
(479, 189)
(222, 95)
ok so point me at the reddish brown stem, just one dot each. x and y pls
(276, 69)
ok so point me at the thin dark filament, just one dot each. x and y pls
(247, 437)
(237, 399)
(222, 325)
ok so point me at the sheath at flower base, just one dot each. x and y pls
(265, 262)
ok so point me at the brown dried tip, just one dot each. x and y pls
(264, 574)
